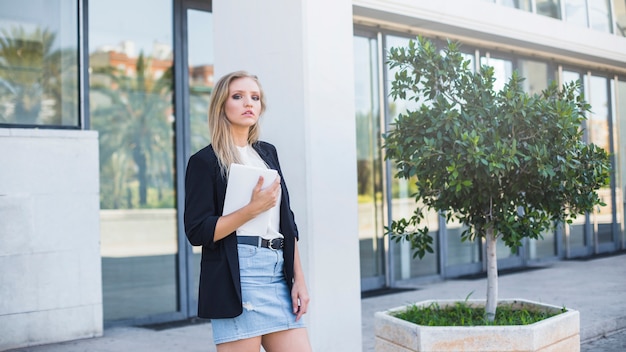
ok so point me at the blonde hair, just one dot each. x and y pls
(219, 126)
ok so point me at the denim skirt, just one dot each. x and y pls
(265, 296)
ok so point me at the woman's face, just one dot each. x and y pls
(243, 105)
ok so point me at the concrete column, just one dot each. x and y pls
(302, 52)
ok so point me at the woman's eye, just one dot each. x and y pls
(256, 97)
(237, 96)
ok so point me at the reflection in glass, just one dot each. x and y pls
(131, 108)
(517, 4)
(398, 106)
(620, 188)
(503, 252)
(576, 12)
(369, 160)
(460, 252)
(574, 232)
(39, 62)
(200, 61)
(550, 8)
(536, 75)
(617, 170)
(600, 15)
(599, 134)
(620, 17)
(403, 205)
(502, 70)
(543, 247)
(537, 78)
(570, 76)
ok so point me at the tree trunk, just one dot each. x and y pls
(492, 276)
(142, 174)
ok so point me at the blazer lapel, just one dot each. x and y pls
(265, 155)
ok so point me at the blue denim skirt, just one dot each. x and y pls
(266, 298)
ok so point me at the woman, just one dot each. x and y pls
(252, 286)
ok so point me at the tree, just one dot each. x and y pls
(31, 72)
(507, 164)
(136, 131)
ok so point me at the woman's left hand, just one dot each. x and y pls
(299, 299)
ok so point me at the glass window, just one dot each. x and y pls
(369, 160)
(200, 60)
(620, 17)
(460, 252)
(201, 78)
(616, 113)
(620, 117)
(131, 108)
(542, 248)
(403, 205)
(597, 94)
(503, 69)
(575, 232)
(600, 15)
(517, 4)
(550, 8)
(536, 75)
(39, 63)
(576, 12)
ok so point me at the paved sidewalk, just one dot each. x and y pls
(614, 342)
(594, 287)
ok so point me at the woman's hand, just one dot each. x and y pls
(300, 299)
(264, 199)
(260, 201)
(299, 294)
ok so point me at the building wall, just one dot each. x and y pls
(50, 282)
(499, 27)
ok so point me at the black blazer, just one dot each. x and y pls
(220, 287)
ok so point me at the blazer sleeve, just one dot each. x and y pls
(201, 206)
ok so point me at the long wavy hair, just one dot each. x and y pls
(219, 126)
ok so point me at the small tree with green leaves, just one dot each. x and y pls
(507, 164)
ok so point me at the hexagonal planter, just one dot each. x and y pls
(558, 333)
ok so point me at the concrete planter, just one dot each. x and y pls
(558, 333)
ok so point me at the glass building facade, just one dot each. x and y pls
(599, 232)
(146, 136)
(140, 72)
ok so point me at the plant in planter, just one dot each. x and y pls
(507, 164)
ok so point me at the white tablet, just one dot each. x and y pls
(241, 182)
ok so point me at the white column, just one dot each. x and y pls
(302, 52)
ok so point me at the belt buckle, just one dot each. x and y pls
(271, 245)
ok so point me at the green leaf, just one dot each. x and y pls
(479, 154)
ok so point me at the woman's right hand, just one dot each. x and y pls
(264, 199)
(260, 201)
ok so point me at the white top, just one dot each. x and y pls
(250, 157)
